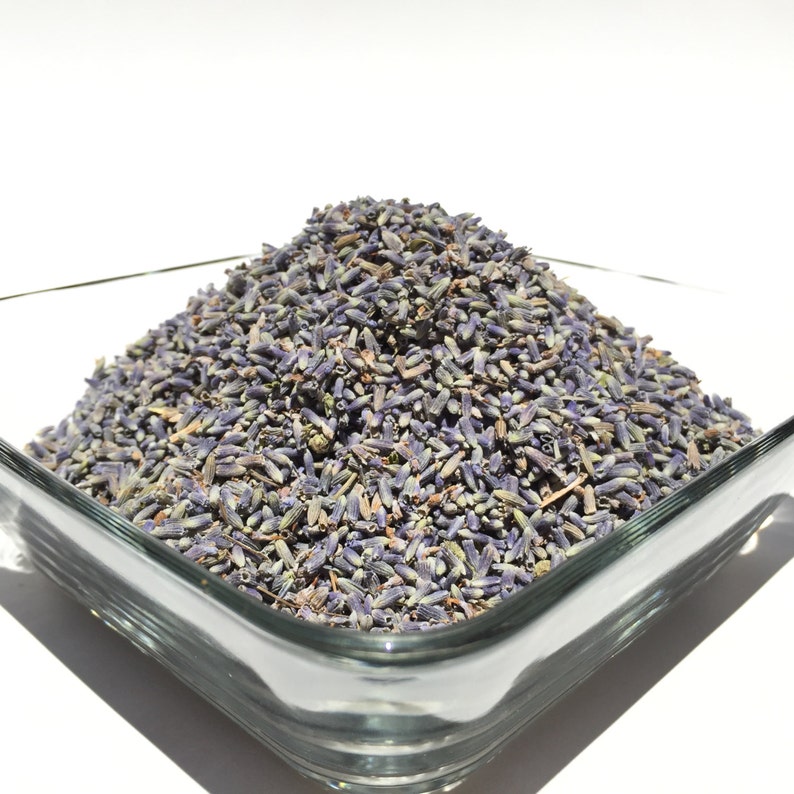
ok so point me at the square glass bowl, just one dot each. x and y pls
(404, 713)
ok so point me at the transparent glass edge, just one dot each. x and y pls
(235, 260)
(240, 258)
(396, 649)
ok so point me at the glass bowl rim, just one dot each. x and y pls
(391, 648)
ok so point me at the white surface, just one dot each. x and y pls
(650, 137)
(57, 735)
(699, 727)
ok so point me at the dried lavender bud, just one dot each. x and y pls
(393, 422)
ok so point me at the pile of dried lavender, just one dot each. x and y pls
(393, 422)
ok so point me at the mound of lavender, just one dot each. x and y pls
(393, 422)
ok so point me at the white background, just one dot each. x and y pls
(648, 137)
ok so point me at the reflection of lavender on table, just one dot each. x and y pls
(393, 422)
